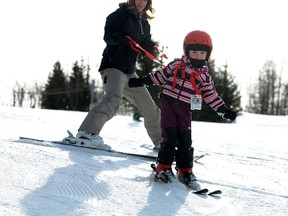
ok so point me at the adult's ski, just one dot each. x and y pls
(149, 157)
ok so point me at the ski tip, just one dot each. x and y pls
(216, 192)
(201, 191)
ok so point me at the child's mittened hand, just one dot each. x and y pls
(226, 113)
(230, 114)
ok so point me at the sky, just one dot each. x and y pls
(40, 179)
(36, 34)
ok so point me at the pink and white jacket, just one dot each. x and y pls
(179, 81)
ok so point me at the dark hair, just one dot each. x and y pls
(148, 10)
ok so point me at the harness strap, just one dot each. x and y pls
(182, 64)
(135, 46)
(192, 77)
(192, 80)
(161, 53)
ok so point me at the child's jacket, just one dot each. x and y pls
(180, 81)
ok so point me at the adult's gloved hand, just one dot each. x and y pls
(226, 113)
(139, 82)
(135, 82)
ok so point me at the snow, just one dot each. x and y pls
(247, 160)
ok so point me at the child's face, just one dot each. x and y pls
(201, 55)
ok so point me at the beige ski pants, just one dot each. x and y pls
(116, 86)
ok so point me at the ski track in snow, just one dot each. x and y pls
(49, 179)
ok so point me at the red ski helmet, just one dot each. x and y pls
(198, 40)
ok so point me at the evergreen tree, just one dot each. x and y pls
(54, 93)
(226, 88)
(79, 87)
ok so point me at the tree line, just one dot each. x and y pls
(76, 91)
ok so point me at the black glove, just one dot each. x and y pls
(226, 113)
(135, 82)
(230, 114)
(139, 82)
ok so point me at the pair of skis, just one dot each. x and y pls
(203, 191)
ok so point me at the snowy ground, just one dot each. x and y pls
(246, 160)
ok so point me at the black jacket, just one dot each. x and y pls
(118, 53)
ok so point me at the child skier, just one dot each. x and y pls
(184, 82)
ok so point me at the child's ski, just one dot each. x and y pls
(201, 191)
(215, 192)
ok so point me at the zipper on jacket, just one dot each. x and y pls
(140, 23)
(180, 90)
